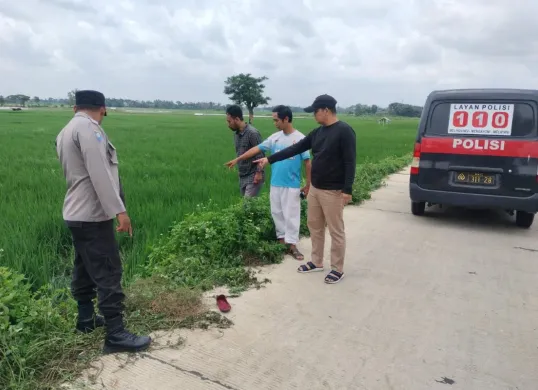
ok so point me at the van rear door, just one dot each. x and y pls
(485, 147)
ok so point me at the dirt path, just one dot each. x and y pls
(447, 301)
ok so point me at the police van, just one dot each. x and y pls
(478, 148)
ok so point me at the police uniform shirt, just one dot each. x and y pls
(90, 167)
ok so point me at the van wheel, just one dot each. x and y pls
(524, 219)
(417, 208)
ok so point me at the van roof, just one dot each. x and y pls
(484, 93)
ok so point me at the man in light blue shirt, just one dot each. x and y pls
(285, 191)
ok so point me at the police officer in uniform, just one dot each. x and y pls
(93, 200)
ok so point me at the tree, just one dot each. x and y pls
(71, 96)
(361, 109)
(407, 110)
(364, 109)
(2, 100)
(22, 99)
(244, 89)
(36, 99)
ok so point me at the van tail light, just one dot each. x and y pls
(416, 160)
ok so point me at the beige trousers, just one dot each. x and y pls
(326, 207)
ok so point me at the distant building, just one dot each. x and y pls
(383, 121)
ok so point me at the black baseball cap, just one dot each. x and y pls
(89, 98)
(322, 101)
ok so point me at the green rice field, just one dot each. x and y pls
(170, 162)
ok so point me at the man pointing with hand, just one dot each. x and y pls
(333, 147)
(93, 200)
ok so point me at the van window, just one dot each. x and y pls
(523, 122)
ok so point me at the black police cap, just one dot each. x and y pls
(89, 98)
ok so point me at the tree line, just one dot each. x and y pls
(25, 101)
(393, 109)
(243, 89)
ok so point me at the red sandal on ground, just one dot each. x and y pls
(222, 303)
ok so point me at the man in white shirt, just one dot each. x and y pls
(285, 191)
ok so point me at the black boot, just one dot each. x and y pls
(118, 339)
(88, 326)
(87, 320)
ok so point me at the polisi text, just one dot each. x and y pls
(478, 144)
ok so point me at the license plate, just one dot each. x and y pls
(475, 178)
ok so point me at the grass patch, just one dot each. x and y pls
(38, 346)
(212, 248)
(155, 297)
(370, 175)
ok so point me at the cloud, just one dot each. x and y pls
(357, 50)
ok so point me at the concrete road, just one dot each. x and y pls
(445, 301)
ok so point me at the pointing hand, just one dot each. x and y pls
(262, 162)
(231, 164)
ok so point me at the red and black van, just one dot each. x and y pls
(478, 148)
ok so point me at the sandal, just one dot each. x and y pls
(334, 277)
(309, 267)
(223, 304)
(296, 254)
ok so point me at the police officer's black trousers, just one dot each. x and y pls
(97, 270)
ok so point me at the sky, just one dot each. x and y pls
(359, 51)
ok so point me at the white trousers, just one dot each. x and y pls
(286, 212)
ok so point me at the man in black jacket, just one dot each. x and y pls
(333, 147)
